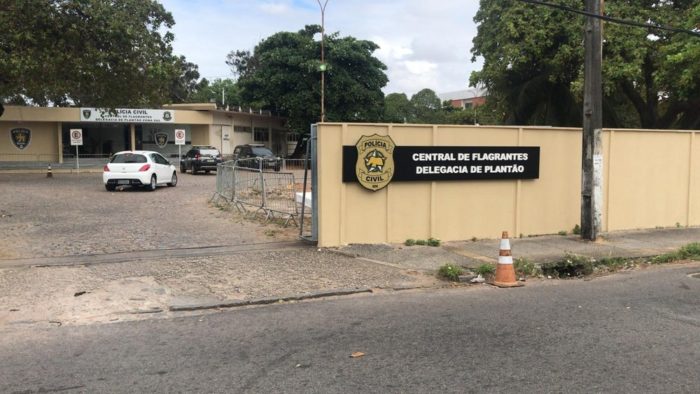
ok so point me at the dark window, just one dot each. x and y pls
(128, 158)
(259, 151)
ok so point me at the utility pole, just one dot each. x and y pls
(322, 67)
(592, 152)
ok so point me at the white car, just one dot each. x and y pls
(138, 168)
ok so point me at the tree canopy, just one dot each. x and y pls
(282, 75)
(533, 63)
(104, 53)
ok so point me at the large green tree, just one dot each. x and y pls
(90, 52)
(397, 109)
(533, 63)
(282, 75)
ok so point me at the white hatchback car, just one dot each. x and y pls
(138, 168)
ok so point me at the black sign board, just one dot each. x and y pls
(453, 163)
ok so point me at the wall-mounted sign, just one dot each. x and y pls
(374, 161)
(20, 137)
(448, 163)
(76, 137)
(126, 115)
(161, 139)
(179, 137)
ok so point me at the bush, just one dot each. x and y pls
(433, 242)
(450, 272)
(420, 242)
(410, 242)
(576, 230)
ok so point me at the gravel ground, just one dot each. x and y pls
(71, 215)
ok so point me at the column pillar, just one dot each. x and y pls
(132, 136)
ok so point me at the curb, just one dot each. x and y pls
(265, 300)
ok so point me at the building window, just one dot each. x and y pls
(261, 134)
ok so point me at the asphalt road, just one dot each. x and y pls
(637, 332)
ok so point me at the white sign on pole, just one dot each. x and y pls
(179, 137)
(76, 136)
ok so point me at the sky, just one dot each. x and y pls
(424, 44)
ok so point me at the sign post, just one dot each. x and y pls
(76, 138)
(179, 141)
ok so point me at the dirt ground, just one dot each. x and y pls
(73, 215)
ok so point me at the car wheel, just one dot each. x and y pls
(110, 188)
(193, 171)
(152, 186)
(182, 169)
(206, 171)
(173, 180)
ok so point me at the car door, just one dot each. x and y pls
(162, 168)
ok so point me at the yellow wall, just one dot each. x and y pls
(648, 182)
(43, 144)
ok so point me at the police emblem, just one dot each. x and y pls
(20, 137)
(161, 139)
(375, 161)
(167, 116)
(87, 113)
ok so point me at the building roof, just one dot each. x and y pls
(463, 94)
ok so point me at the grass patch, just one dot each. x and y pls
(688, 252)
(562, 232)
(572, 266)
(450, 272)
(410, 242)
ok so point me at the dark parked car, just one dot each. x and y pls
(251, 155)
(200, 158)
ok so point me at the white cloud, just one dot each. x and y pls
(425, 44)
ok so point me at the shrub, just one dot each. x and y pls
(420, 242)
(450, 272)
(410, 242)
(526, 267)
(576, 230)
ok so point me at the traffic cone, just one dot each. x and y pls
(505, 273)
(49, 174)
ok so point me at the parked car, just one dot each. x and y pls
(200, 158)
(250, 155)
(140, 169)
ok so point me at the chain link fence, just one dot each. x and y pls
(254, 186)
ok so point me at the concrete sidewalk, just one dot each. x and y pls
(541, 249)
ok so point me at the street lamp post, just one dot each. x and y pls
(322, 68)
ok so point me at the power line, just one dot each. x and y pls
(613, 20)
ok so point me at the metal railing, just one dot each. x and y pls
(254, 186)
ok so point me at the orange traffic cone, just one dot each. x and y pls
(505, 273)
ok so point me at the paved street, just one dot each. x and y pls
(629, 333)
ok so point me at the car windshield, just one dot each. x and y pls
(128, 158)
(209, 152)
(262, 152)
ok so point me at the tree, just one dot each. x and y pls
(533, 63)
(282, 75)
(103, 53)
(397, 109)
(427, 107)
(208, 92)
(185, 83)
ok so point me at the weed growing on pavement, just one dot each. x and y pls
(525, 267)
(450, 272)
(485, 269)
(562, 232)
(572, 266)
(429, 242)
(433, 242)
(688, 252)
(576, 230)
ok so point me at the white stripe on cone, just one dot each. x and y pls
(505, 259)
(505, 244)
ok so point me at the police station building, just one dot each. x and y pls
(41, 135)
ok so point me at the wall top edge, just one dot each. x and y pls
(541, 128)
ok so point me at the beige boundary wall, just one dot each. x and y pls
(649, 180)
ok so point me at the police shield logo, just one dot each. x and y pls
(167, 116)
(86, 114)
(161, 139)
(375, 161)
(20, 137)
